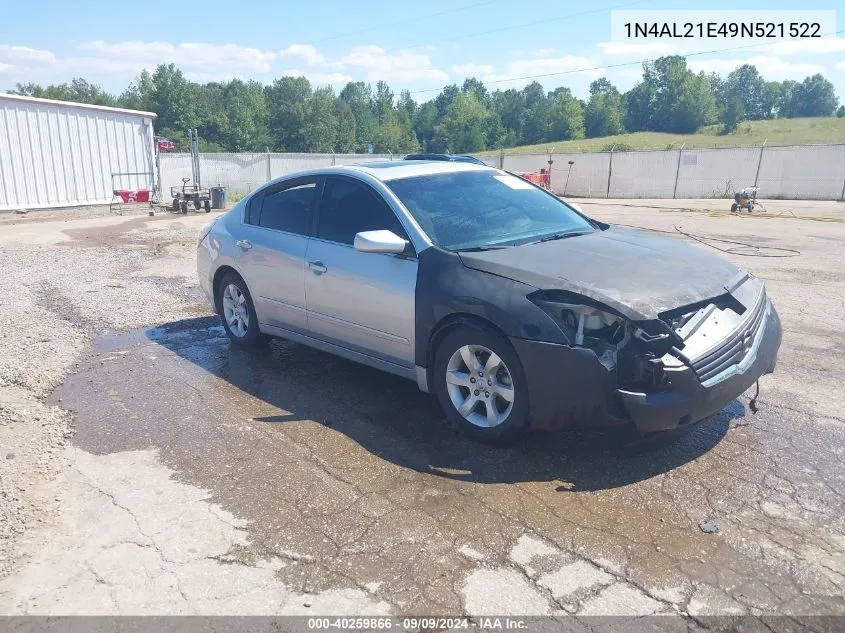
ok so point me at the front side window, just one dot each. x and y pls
(288, 208)
(485, 209)
(348, 208)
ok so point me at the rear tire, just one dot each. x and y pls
(238, 311)
(184, 207)
(488, 401)
(734, 207)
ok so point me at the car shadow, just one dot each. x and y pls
(393, 420)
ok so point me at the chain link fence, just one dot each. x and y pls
(808, 172)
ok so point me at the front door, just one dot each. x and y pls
(361, 301)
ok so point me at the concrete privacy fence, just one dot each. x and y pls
(813, 172)
(241, 173)
(810, 172)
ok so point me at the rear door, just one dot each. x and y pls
(271, 251)
(360, 301)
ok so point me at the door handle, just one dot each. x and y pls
(244, 244)
(317, 267)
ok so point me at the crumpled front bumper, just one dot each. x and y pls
(567, 385)
(690, 400)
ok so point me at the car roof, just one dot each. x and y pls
(451, 157)
(394, 170)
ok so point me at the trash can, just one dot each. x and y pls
(218, 197)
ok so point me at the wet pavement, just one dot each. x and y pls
(350, 476)
(203, 479)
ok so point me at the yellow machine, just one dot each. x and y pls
(745, 199)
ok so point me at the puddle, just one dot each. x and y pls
(354, 470)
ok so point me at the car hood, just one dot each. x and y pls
(636, 273)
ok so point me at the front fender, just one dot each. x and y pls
(446, 288)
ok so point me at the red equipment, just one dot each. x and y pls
(166, 146)
(538, 178)
(132, 195)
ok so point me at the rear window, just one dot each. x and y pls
(286, 209)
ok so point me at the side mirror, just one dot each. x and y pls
(380, 242)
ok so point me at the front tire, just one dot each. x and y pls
(479, 381)
(238, 311)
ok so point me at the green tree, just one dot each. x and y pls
(683, 100)
(477, 87)
(532, 94)
(733, 113)
(786, 102)
(566, 116)
(537, 121)
(841, 112)
(604, 114)
(424, 123)
(462, 129)
(347, 141)
(321, 124)
(638, 105)
(815, 96)
(510, 107)
(287, 107)
(359, 97)
(246, 114)
(746, 85)
(170, 98)
(77, 91)
(406, 105)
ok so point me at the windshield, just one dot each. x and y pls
(478, 209)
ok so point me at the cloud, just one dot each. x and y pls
(636, 49)
(539, 52)
(472, 70)
(770, 67)
(188, 56)
(568, 64)
(319, 79)
(24, 55)
(17, 60)
(820, 46)
(306, 52)
(378, 63)
(840, 66)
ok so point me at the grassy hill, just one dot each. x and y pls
(775, 132)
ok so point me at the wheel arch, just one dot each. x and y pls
(446, 325)
(219, 274)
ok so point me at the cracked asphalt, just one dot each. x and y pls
(151, 468)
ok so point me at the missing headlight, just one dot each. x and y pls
(588, 326)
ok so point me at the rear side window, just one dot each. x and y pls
(348, 208)
(254, 208)
(288, 209)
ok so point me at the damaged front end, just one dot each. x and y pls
(686, 364)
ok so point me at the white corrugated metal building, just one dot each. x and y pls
(57, 154)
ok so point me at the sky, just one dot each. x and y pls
(419, 46)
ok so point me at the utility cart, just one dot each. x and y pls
(187, 194)
(194, 193)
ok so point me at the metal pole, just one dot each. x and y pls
(678, 171)
(760, 162)
(842, 197)
(501, 158)
(269, 172)
(609, 171)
